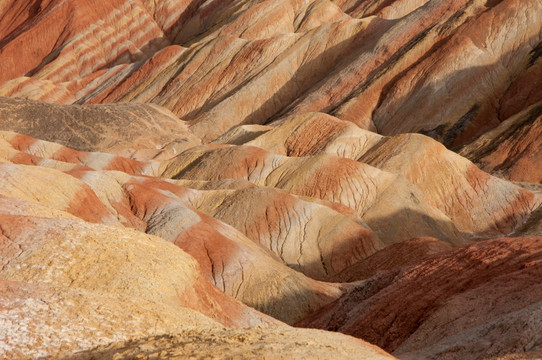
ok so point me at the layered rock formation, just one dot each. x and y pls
(361, 187)
(356, 60)
(476, 202)
(70, 280)
(510, 150)
(393, 256)
(67, 253)
(227, 257)
(474, 302)
(173, 172)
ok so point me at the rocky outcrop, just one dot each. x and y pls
(66, 253)
(39, 320)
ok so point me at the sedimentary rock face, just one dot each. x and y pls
(462, 304)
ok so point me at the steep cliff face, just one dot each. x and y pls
(174, 171)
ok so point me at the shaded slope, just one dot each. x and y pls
(247, 344)
(476, 202)
(393, 256)
(463, 304)
(120, 129)
(484, 56)
(510, 150)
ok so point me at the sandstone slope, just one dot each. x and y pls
(102, 284)
(378, 197)
(393, 256)
(476, 202)
(358, 61)
(66, 253)
(246, 269)
(246, 344)
(39, 320)
(198, 161)
(482, 300)
(121, 129)
(510, 150)
(70, 285)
